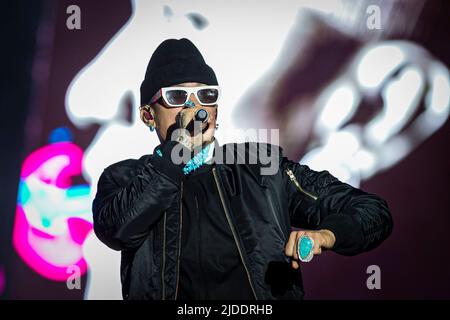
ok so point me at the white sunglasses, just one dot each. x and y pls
(178, 96)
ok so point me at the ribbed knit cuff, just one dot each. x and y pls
(162, 160)
(348, 233)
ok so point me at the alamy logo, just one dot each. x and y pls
(374, 19)
(268, 155)
(74, 280)
(374, 280)
(73, 21)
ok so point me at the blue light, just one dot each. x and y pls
(24, 193)
(61, 134)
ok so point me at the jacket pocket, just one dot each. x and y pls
(297, 185)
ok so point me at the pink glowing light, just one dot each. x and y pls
(52, 221)
(2, 280)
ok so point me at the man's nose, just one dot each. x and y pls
(191, 102)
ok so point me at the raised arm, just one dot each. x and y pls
(124, 212)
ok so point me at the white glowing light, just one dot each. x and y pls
(392, 133)
(364, 161)
(338, 108)
(393, 151)
(401, 99)
(48, 203)
(377, 63)
(46, 171)
(336, 155)
(55, 250)
(439, 97)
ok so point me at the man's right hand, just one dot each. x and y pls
(190, 137)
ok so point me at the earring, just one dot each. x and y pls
(146, 112)
(217, 126)
(147, 115)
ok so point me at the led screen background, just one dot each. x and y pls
(370, 106)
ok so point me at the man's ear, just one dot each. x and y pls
(147, 115)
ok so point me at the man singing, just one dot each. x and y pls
(191, 224)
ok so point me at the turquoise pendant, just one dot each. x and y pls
(305, 248)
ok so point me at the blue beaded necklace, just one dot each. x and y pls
(202, 157)
(198, 160)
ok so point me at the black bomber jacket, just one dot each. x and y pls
(137, 210)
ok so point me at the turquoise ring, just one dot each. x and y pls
(305, 248)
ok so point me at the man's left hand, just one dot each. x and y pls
(323, 239)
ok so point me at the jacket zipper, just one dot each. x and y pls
(269, 197)
(200, 237)
(163, 294)
(179, 240)
(294, 180)
(233, 231)
(199, 243)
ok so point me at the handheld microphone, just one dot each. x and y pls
(201, 115)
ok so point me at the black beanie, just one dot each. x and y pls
(175, 61)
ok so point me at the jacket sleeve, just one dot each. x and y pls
(359, 220)
(124, 213)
